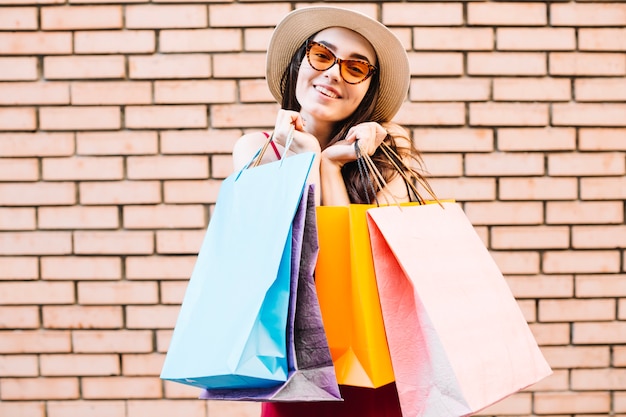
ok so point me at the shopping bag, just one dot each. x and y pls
(311, 373)
(230, 331)
(348, 297)
(457, 338)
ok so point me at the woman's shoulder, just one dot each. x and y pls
(246, 146)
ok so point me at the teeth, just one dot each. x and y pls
(326, 92)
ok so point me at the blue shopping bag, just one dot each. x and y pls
(231, 329)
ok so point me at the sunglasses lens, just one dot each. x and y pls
(352, 71)
(320, 58)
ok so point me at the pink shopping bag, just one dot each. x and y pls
(457, 338)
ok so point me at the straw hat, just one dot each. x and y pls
(300, 24)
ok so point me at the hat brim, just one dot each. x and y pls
(299, 25)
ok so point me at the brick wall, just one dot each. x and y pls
(117, 119)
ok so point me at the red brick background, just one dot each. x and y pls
(117, 119)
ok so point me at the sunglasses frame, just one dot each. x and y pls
(310, 43)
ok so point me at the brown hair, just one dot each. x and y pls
(397, 137)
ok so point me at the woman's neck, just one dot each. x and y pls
(321, 130)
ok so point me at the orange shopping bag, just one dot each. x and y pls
(348, 297)
(457, 337)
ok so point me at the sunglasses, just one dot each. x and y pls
(353, 71)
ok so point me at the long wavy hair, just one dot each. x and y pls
(359, 186)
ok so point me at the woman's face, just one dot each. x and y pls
(324, 95)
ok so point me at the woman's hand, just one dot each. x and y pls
(369, 134)
(302, 141)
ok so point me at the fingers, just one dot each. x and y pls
(370, 135)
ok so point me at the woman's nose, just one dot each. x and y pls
(334, 72)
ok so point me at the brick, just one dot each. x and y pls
(79, 365)
(198, 141)
(166, 117)
(464, 189)
(151, 317)
(86, 408)
(142, 364)
(453, 140)
(124, 192)
(36, 292)
(23, 408)
(538, 188)
(81, 17)
(20, 93)
(117, 293)
(580, 212)
(179, 241)
(80, 118)
(166, 16)
(36, 144)
(115, 42)
(535, 39)
(557, 381)
(576, 310)
(621, 309)
(173, 292)
(111, 92)
(117, 143)
(83, 168)
(436, 63)
(159, 267)
(18, 118)
(167, 167)
(587, 64)
(528, 309)
(35, 243)
(81, 268)
(251, 91)
(587, 14)
(190, 408)
(249, 15)
(189, 192)
(163, 338)
(504, 164)
(182, 92)
(35, 341)
(450, 89)
(437, 165)
(164, 217)
(78, 217)
(173, 390)
(600, 89)
(589, 333)
(14, 68)
(200, 40)
(619, 359)
(120, 387)
(244, 65)
(34, 194)
(598, 379)
(453, 39)
(503, 213)
(591, 114)
(601, 236)
(609, 188)
(35, 43)
(508, 114)
(169, 66)
(82, 317)
(19, 169)
(564, 357)
(19, 18)
(107, 341)
(505, 14)
(519, 262)
(18, 365)
(506, 63)
(550, 334)
(529, 237)
(536, 139)
(19, 317)
(586, 164)
(19, 268)
(541, 286)
(84, 67)
(423, 14)
(531, 89)
(603, 39)
(613, 285)
(234, 408)
(222, 165)
(581, 261)
(257, 39)
(114, 242)
(441, 114)
(39, 389)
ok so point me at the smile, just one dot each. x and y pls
(326, 92)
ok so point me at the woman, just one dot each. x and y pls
(340, 77)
